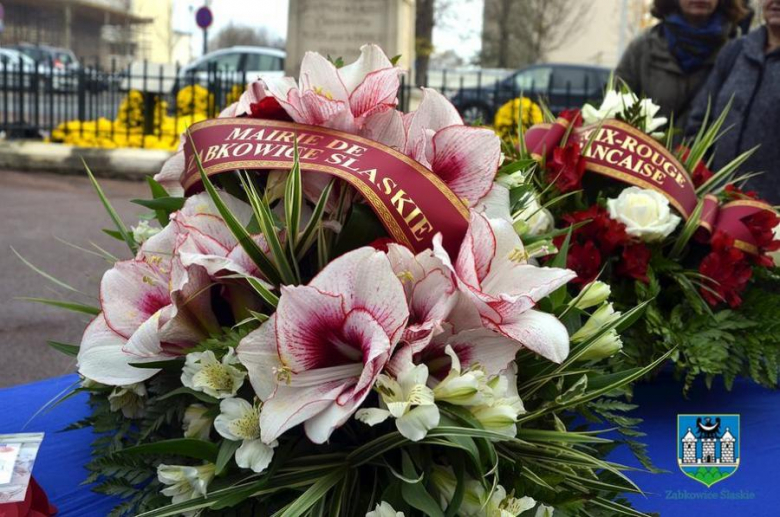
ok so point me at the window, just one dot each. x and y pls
(263, 62)
(533, 80)
(226, 62)
(570, 78)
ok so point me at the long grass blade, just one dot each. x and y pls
(120, 226)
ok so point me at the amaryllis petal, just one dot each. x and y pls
(170, 174)
(487, 348)
(386, 127)
(101, 357)
(307, 321)
(291, 406)
(257, 352)
(466, 158)
(377, 93)
(145, 342)
(320, 76)
(434, 113)
(372, 58)
(367, 281)
(541, 332)
(130, 293)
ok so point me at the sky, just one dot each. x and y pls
(460, 31)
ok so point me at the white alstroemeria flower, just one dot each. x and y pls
(383, 509)
(240, 420)
(616, 103)
(646, 214)
(196, 423)
(185, 483)
(775, 255)
(477, 500)
(544, 511)
(595, 293)
(408, 400)
(143, 232)
(461, 387)
(513, 180)
(502, 404)
(603, 316)
(128, 399)
(203, 372)
(533, 220)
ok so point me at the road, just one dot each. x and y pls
(35, 211)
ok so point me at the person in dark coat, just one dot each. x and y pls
(669, 62)
(748, 70)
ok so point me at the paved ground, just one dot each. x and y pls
(35, 210)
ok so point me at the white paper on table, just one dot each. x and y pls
(17, 456)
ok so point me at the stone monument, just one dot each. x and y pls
(339, 27)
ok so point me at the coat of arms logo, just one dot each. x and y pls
(708, 446)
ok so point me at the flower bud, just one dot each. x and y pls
(607, 345)
(195, 423)
(595, 293)
(603, 316)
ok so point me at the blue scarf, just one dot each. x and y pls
(692, 45)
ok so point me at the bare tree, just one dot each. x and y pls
(233, 35)
(521, 32)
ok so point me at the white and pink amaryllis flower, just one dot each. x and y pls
(466, 158)
(430, 293)
(492, 271)
(319, 356)
(339, 98)
(157, 305)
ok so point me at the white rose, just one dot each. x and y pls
(645, 213)
(533, 220)
(775, 255)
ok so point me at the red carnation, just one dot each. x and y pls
(701, 173)
(567, 167)
(735, 193)
(727, 271)
(609, 234)
(585, 260)
(634, 261)
(269, 108)
(573, 116)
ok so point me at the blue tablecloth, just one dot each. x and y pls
(752, 491)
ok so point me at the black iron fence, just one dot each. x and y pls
(129, 106)
(147, 105)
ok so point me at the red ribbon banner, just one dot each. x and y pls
(411, 201)
(620, 151)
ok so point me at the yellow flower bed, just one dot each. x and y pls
(508, 117)
(127, 130)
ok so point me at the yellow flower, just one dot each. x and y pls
(510, 115)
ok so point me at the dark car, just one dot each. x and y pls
(559, 86)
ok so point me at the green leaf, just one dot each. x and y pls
(120, 226)
(72, 350)
(311, 496)
(418, 497)
(158, 191)
(166, 204)
(309, 234)
(174, 365)
(293, 200)
(265, 219)
(236, 228)
(44, 274)
(187, 447)
(189, 391)
(70, 306)
(225, 454)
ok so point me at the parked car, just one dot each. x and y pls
(559, 86)
(15, 69)
(59, 58)
(255, 62)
